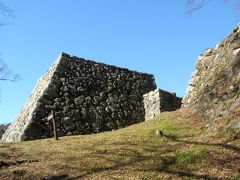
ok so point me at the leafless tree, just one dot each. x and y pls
(5, 73)
(5, 11)
(195, 5)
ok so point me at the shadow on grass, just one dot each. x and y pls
(148, 159)
(162, 162)
(222, 145)
(58, 177)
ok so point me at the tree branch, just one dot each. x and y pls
(5, 11)
(194, 5)
(6, 74)
(13, 80)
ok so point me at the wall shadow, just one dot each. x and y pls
(162, 161)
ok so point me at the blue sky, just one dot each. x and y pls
(152, 36)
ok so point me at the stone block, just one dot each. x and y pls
(158, 101)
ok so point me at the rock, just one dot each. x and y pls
(40, 106)
(84, 112)
(67, 120)
(66, 89)
(40, 113)
(100, 108)
(109, 109)
(112, 100)
(56, 82)
(134, 98)
(67, 95)
(59, 100)
(88, 99)
(49, 95)
(44, 101)
(111, 125)
(66, 109)
(79, 100)
(50, 107)
(60, 70)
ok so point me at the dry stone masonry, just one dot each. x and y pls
(214, 88)
(86, 96)
(158, 101)
(35, 106)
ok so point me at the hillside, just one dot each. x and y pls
(184, 151)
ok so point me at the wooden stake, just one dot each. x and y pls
(54, 125)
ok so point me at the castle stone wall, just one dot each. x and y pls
(214, 88)
(86, 96)
(25, 118)
(158, 101)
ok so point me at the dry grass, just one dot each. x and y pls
(131, 153)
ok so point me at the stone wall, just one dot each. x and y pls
(158, 101)
(214, 88)
(151, 104)
(86, 96)
(25, 119)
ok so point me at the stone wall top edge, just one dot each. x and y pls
(76, 58)
(161, 91)
(207, 51)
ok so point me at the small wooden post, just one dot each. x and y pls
(54, 125)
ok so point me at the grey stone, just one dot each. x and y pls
(158, 101)
(79, 100)
(88, 99)
(44, 101)
(59, 100)
(50, 107)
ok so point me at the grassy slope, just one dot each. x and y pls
(131, 153)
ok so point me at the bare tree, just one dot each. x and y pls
(5, 11)
(194, 5)
(5, 73)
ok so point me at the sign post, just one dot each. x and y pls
(52, 117)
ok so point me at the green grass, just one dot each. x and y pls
(130, 153)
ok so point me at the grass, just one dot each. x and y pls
(183, 152)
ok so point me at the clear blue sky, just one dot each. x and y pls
(153, 36)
